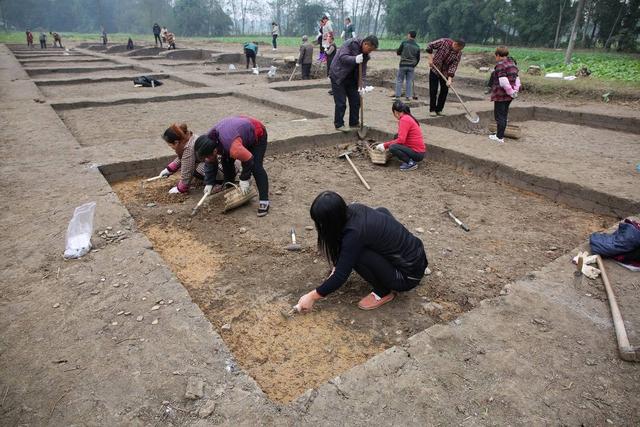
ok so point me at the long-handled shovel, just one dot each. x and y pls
(293, 72)
(471, 116)
(362, 131)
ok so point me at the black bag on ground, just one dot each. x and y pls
(146, 81)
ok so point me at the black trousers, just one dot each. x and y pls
(251, 55)
(437, 101)
(500, 113)
(382, 275)
(259, 174)
(274, 40)
(405, 153)
(329, 61)
(306, 71)
(43, 44)
(157, 39)
(347, 90)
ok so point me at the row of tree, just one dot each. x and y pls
(601, 23)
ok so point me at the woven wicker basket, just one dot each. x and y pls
(378, 157)
(235, 198)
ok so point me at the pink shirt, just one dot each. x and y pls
(409, 134)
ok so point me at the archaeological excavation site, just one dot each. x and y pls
(178, 316)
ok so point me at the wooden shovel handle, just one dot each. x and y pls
(455, 92)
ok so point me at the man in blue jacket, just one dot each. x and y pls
(344, 78)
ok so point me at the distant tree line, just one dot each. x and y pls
(184, 17)
(602, 23)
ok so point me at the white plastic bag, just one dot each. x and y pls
(272, 72)
(80, 230)
(554, 75)
(232, 67)
(255, 71)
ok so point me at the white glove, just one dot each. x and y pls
(342, 35)
(174, 190)
(514, 95)
(590, 272)
(245, 186)
(165, 173)
(207, 189)
(380, 147)
(368, 89)
(359, 59)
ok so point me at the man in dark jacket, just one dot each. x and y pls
(344, 78)
(156, 34)
(306, 58)
(409, 53)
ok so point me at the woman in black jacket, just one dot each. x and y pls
(371, 242)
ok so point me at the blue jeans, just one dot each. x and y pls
(407, 73)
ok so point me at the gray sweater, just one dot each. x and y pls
(306, 53)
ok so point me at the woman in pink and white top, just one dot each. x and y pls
(409, 145)
(181, 140)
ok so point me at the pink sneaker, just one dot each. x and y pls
(373, 301)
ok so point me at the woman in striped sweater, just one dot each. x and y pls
(181, 140)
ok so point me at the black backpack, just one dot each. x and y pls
(145, 81)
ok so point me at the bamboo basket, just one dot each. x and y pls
(234, 198)
(377, 157)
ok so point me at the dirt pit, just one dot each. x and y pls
(89, 90)
(237, 270)
(151, 119)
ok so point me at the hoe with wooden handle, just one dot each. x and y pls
(627, 351)
(471, 116)
(346, 156)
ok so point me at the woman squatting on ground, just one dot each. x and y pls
(371, 242)
(181, 140)
(409, 145)
(236, 138)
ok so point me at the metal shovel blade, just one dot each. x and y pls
(472, 118)
(362, 132)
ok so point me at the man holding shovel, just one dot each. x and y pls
(446, 58)
(344, 78)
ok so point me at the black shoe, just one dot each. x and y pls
(263, 209)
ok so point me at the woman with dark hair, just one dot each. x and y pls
(181, 140)
(371, 242)
(237, 138)
(409, 145)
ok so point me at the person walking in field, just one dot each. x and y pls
(105, 38)
(171, 40)
(156, 34)
(43, 40)
(275, 32)
(305, 59)
(505, 85)
(445, 55)
(349, 31)
(409, 52)
(344, 78)
(29, 38)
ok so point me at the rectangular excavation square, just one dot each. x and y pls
(560, 144)
(237, 270)
(145, 122)
(110, 87)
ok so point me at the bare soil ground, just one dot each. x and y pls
(242, 280)
(145, 122)
(89, 90)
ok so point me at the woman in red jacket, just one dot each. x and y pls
(409, 145)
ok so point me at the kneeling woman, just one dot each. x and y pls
(237, 138)
(371, 242)
(181, 140)
(409, 145)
